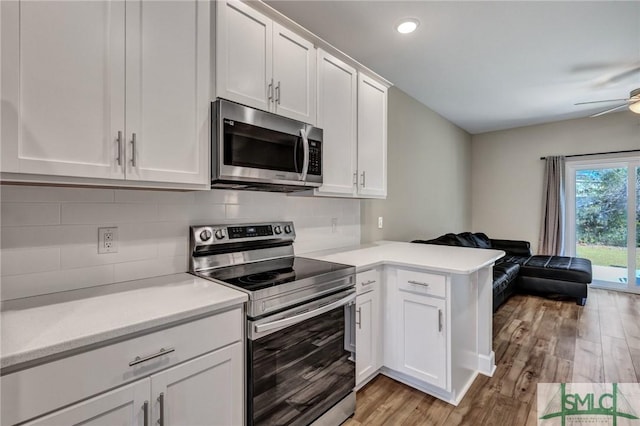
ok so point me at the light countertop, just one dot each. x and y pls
(448, 259)
(43, 326)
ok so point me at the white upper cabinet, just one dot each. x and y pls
(337, 116)
(167, 97)
(261, 64)
(294, 75)
(244, 55)
(372, 137)
(63, 83)
(80, 79)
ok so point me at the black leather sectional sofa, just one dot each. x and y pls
(518, 270)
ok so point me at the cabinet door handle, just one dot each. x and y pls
(119, 159)
(363, 176)
(270, 91)
(359, 320)
(355, 178)
(161, 402)
(133, 149)
(139, 359)
(368, 282)
(440, 320)
(145, 411)
(418, 283)
(278, 93)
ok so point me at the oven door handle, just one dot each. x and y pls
(284, 322)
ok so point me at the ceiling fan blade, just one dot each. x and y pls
(622, 75)
(606, 111)
(597, 102)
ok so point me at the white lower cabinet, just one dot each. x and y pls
(422, 352)
(368, 326)
(188, 374)
(205, 391)
(124, 406)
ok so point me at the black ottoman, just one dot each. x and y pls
(556, 275)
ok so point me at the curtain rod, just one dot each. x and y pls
(597, 153)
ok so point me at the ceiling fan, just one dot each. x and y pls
(632, 102)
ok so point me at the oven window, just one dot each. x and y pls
(251, 146)
(298, 373)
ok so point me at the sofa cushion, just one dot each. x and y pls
(477, 240)
(562, 268)
(503, 274)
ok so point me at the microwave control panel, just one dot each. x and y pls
(315, 158)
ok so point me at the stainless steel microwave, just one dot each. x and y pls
(257, 150)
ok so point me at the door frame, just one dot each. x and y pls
(632, 163)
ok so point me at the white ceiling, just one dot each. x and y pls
(488, 65)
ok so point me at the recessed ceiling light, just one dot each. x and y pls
(407, 25)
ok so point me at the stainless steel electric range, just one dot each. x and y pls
(299, 369)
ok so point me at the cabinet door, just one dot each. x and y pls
(372, 137)
(367, 335)
(423, 345)
(167, 96)
(208, 390)
(63, 86)
(294, 75)
(337, 115)
(124, 406)
(244, 55)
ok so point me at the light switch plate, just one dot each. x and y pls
(379, 222)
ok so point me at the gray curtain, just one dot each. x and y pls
(551, 240)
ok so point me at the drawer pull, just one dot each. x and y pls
(368, 282)
(359, 321)
(139, 360)
(418, 283)
(440, 320)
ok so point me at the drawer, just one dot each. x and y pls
(422, 282)
(35, 391)
(368, 280)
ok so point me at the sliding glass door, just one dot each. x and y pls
(603, 219)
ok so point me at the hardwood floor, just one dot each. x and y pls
(535, 340)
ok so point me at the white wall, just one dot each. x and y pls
(49, 235)
(429, 174)
(507, 172)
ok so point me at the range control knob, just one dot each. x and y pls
(287, 229)
(277, 230)
(205, 235)
(220, 234)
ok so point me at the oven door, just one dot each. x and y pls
(298, 367)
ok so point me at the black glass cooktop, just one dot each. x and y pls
(269, 273)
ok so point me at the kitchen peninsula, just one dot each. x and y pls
(423, 314)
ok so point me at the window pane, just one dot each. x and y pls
(601, 223)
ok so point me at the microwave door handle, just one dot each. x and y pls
(305, 162)
(294, 319)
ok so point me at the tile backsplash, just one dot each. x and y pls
(49, 235)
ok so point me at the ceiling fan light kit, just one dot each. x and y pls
(634, 99)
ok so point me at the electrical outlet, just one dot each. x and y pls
(107, 240)
(334, 225)
(379, 222)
